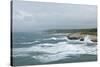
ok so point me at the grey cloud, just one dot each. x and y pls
(30, 16)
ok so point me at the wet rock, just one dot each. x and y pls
(94, 40)
(82, 39)
(75, 36)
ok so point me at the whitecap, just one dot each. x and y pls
(21, 55)
(57, 51)
(56, 38)
(51, 38)
(49, 58)
(28, 42)
(58, 47)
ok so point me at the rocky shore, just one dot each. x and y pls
(74, 36)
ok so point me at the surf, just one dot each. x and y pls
(86, 40)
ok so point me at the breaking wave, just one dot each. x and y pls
(32, 42)
(54, 52)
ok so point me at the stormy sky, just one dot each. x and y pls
(30, 16)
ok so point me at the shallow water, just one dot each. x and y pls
(44, 48)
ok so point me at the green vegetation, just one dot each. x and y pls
(92, 31)
(89, 33)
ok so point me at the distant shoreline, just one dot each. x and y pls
(76, 33)
(93, 30)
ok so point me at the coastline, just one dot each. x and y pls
(79, 35)
(87, 37)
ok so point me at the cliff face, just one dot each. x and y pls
(77, 33)
(74, 36)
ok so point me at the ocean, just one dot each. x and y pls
(36, 48)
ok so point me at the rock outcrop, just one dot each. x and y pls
(75, 36)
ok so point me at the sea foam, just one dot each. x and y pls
(57, 52)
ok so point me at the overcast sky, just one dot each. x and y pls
(32, 16)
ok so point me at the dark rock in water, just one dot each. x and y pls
(73, 38)
(94, 40)
(81, 39)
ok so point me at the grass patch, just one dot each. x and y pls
(89, 33)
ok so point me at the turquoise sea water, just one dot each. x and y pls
(35, 48)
